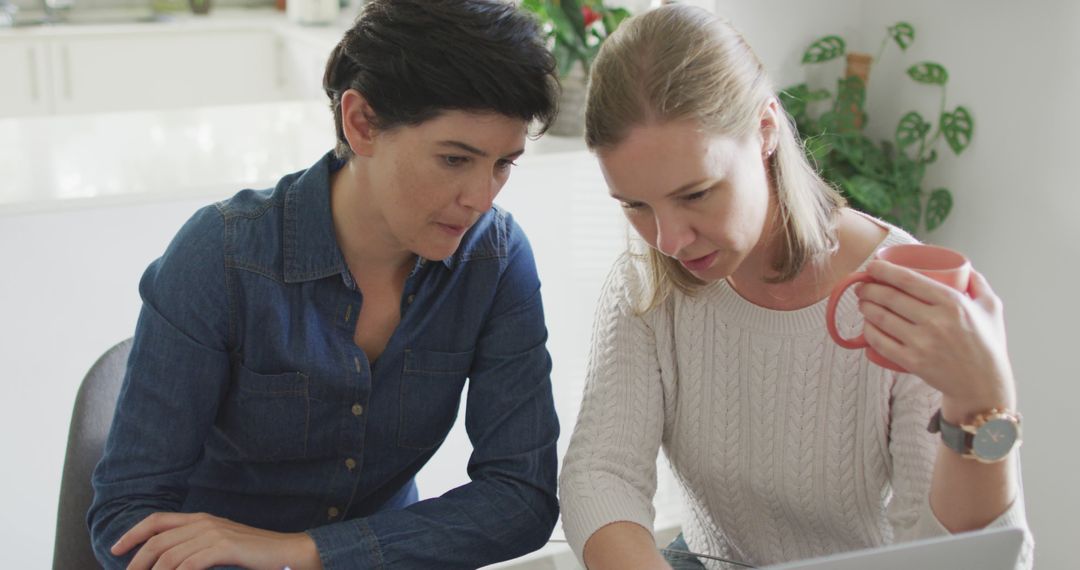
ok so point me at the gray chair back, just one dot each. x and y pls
(90, 421)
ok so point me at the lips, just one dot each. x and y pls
(700, 263)
(453, 229)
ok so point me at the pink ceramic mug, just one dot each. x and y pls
(938, 263)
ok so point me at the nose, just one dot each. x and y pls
(480, 194)
(672, 234)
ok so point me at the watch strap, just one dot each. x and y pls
(953, 436)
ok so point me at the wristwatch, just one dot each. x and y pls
(988, 439)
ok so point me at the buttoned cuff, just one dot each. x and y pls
(349, 545)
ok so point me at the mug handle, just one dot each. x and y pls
(830, 311)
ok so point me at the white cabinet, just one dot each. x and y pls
(136, 71)
(26, 90)
(305, 62)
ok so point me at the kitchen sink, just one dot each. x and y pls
(98, 16)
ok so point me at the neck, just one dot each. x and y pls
(750, 279)
(362, 233)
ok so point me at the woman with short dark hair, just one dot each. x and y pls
(302, 350)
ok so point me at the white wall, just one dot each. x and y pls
(1014, 65)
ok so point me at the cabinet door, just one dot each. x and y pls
(304, 65)
(25, 91)
(165, 70)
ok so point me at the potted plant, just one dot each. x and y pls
(575, 30)
(883, 178)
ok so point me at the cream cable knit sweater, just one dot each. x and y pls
(786, 445)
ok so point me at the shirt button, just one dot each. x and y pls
(332, 512)
(410, 299)
(357, 409)
(350, 463)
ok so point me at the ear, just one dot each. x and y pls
(769, 127)
(356, 121)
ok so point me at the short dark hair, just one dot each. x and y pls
(413, 59)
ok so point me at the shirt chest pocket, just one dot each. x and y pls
(431, 385)
(265, 417)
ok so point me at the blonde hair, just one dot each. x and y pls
(678, 63)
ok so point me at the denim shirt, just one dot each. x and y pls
(247, 398)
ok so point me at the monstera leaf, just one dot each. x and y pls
(928, 73)
(824, 49)
(912, 129)
(872, 194)
(957, 127)
(903, 34)
(937, 208)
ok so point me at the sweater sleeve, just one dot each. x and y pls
(913, 450)
(609, 473)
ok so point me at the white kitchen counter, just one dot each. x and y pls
(74, 161)
(108, 21)
(65, 158)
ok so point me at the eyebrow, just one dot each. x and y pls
(473, 150)
(696, 185)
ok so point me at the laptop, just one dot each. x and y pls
(988, 549)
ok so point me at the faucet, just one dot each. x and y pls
(8, 10)
(56, 9)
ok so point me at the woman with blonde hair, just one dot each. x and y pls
(710, 339)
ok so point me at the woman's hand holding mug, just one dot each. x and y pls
(926, 311)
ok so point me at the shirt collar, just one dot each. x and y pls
(311, 248)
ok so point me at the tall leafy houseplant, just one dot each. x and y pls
(575, 30)
(885, 178)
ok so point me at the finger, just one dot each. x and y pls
(980, 291)
(911, 282)
(909, 308)
(210, 557)
(185, 554)
(156, 546)
(885, 345)
(150, 526)
(887, 322)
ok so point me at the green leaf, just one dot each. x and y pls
(817, 148)
(908, 175)
(565, 58)
(849, 147)
(903, 34)
(824, 49)
(929, 73)
(871, 194)
(937, 209)
(794, 99)
(613, 17)
(958, 128)
(572, 10)
(907, 212)
(912, 129)
(847, 114)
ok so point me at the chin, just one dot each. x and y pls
(438, 252)
(718, 271)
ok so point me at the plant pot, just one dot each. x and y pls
(859, 64)
(200, 6)
(570, 122)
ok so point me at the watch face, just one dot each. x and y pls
(994, 439)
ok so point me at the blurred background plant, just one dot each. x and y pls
(883, 179)
(576, 29)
